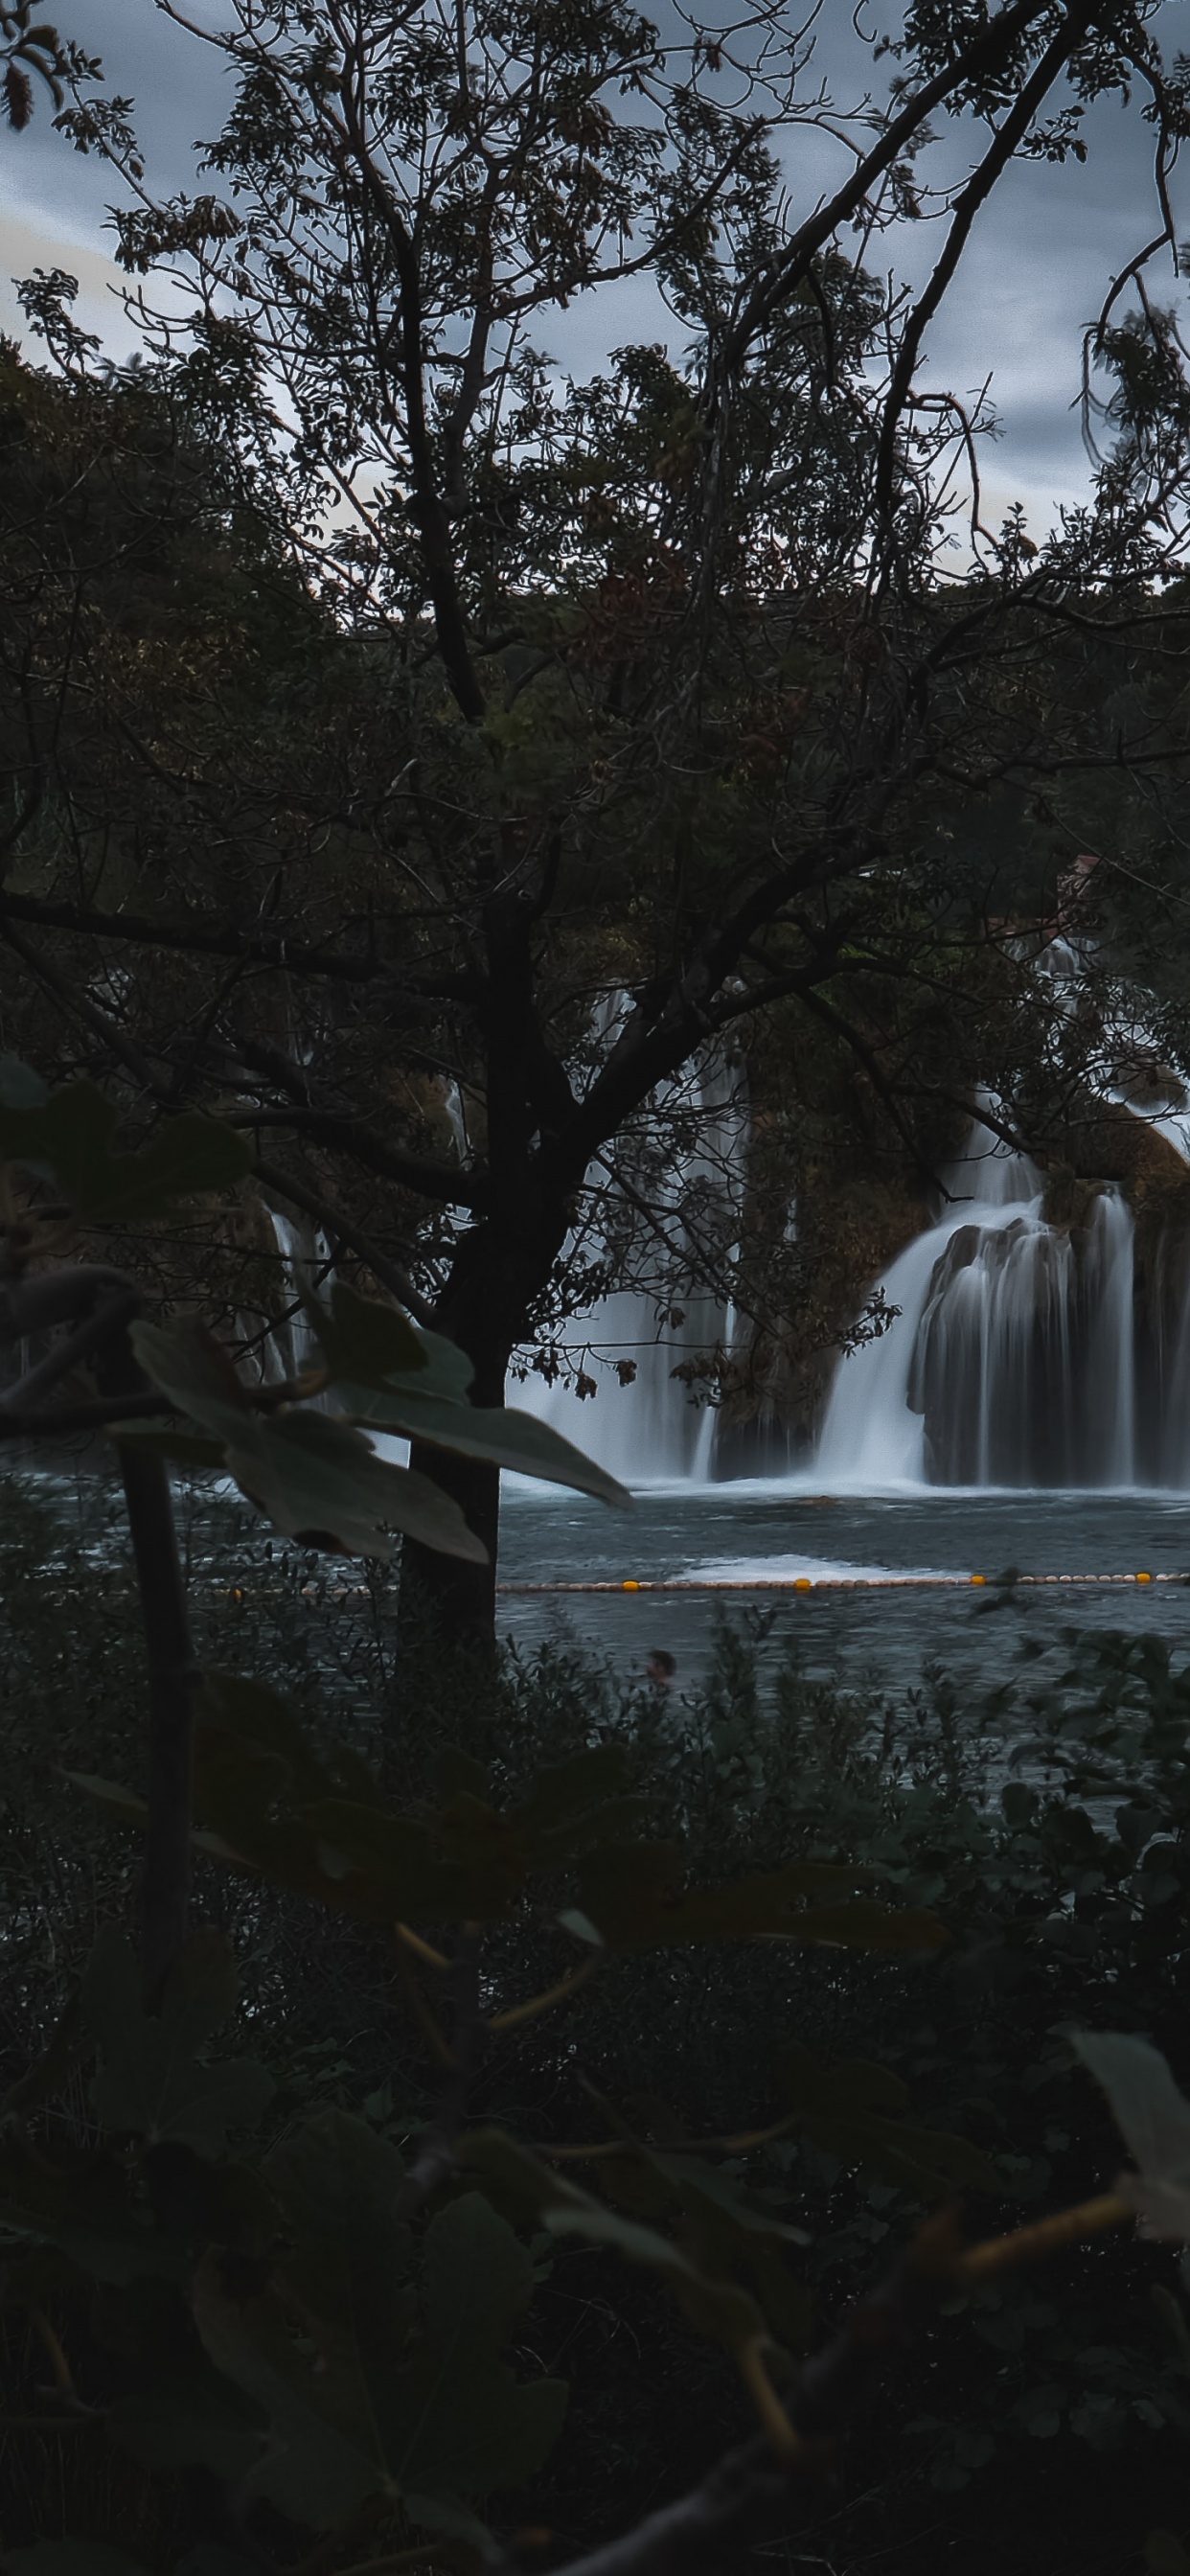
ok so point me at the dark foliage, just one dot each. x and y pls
(1057, 2400)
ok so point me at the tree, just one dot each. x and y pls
(664, 680)
(32, 50)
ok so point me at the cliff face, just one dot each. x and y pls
(1110, 1142)
(856, 1208)
(1113, 1143)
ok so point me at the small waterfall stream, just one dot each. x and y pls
(644, 1427)
(304, 1253)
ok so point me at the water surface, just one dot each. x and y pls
(703, 1537)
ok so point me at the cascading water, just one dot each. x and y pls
(292, 1344)
(646, 1427)
(1023, 1352)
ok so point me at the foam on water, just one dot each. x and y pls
(810, 1569)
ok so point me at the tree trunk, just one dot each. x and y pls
(453, 1598)
(500, 1267)
(498, 1273)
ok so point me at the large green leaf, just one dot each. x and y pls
(722, 2225)
(20, 1087)
(278, 1809)
(470, 2425)
(310, 2343)
(373, 1347)
(79, 2203)
(1165, 2555)
(505, 1437)
(200, 2420)
(314, 1475)
(152, 2082)
(317, 1475)
(118, 1803)
(383, 2391)
(399, 1378)
(1154, 2118)
(50, 2073)
(192, 1369)
(632, 1894)
(259, 1717)
(370, 1343)
(521, 2184)
(70, 1136)
(855, 2111)
(321, 1826)
(268, 1804)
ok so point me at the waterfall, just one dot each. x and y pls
(640, 1422)
(1016, 1356)
(292, 1344)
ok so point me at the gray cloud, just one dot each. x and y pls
(179, 88)
(1032, 278)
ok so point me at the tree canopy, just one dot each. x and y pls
(382, 698)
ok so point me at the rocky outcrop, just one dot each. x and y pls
(1110, 1142)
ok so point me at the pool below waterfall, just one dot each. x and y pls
(858, 1614)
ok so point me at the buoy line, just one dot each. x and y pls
(840, 1583)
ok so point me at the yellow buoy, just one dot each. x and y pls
(979, 1578)
(630, 1587)
(802, 1583)
(1144, 1578)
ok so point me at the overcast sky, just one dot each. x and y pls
(1031, 280)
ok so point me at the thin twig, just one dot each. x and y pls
(63, 2377)
(786, 2441)
(421, 2010)
(421, 1949)
(737, 2145)
(544, 2003)
(1048, 2236)
(70, 1352)
(389, 1273)
(749, 2491)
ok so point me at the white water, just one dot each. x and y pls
(812, 1570)
(1024, 1353)
(1014, 1359)
(650, 1431)
(304, 1252)
(870, 1436)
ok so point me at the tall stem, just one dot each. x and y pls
(173, 1679)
